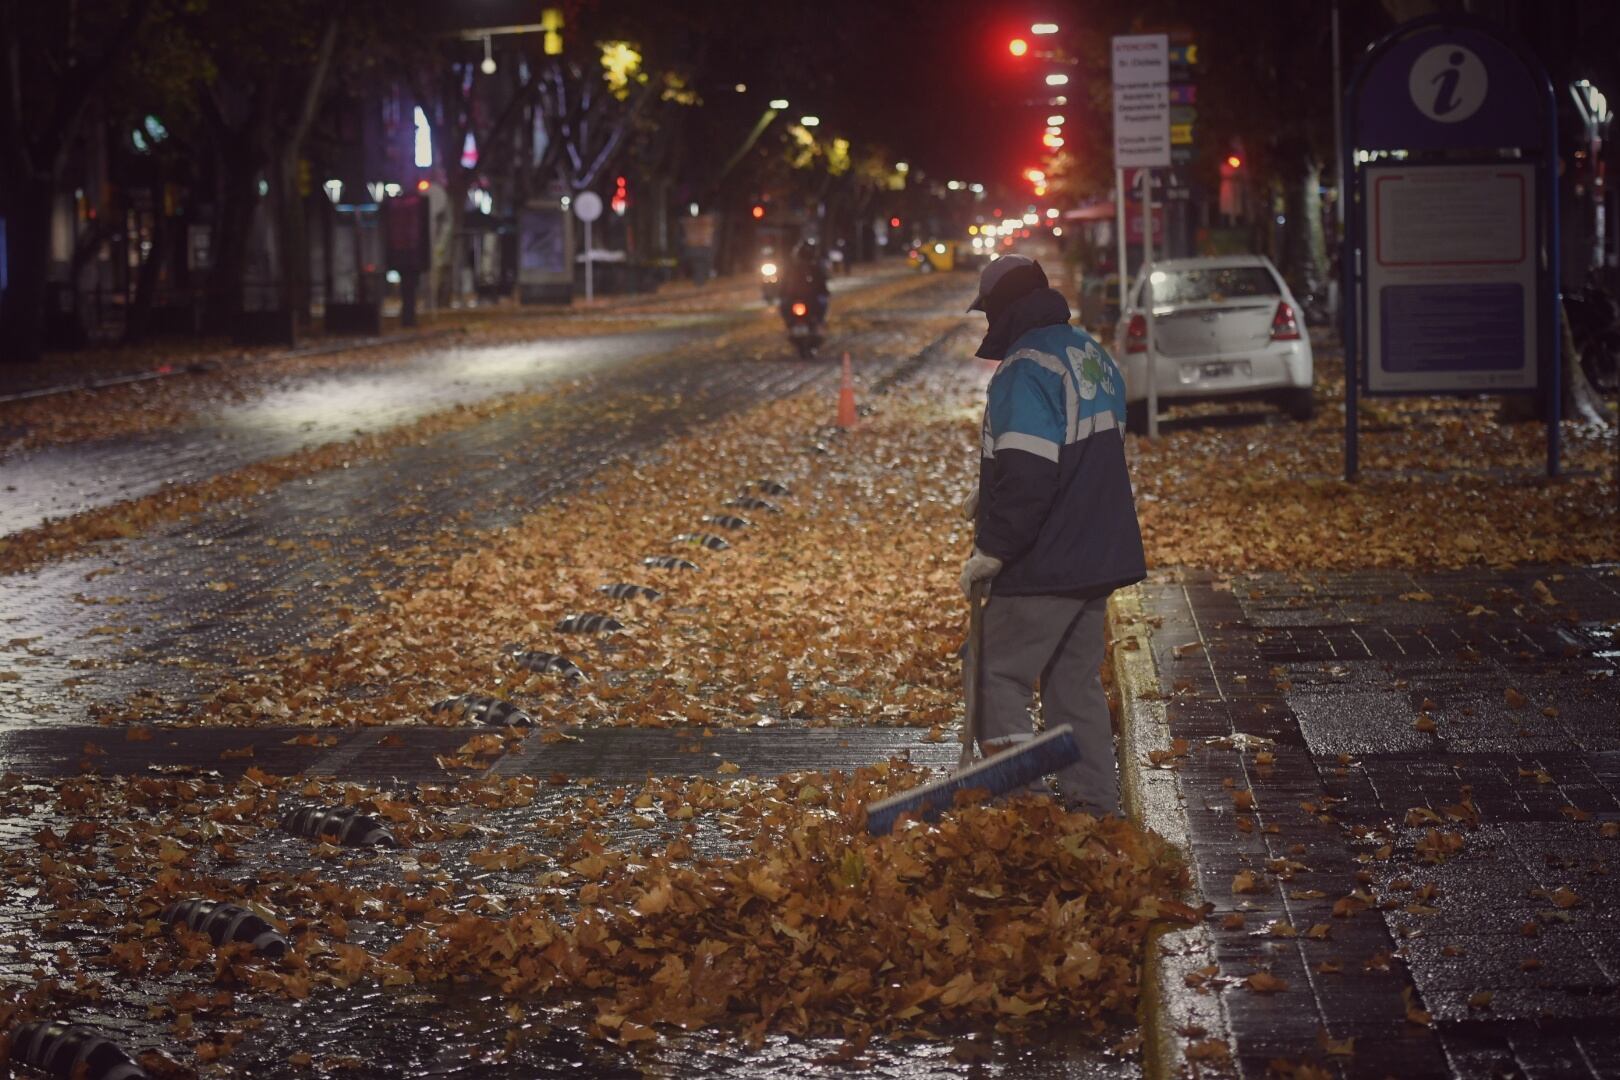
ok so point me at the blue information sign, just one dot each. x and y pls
(1450, 264)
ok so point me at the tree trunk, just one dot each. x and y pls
(1304, 242)
(447, 246)
(228, 242)
(146, 279)
(28, 238)
(292, 236)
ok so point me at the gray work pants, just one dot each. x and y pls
(1056, 641)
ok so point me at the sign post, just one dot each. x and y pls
(588, 207)
(1450, 269)
(1141, 69)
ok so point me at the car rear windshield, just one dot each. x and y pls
(1212, 284)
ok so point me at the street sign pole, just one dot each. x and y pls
(1142, 138)
(1147, 298)
(588, 207)
(1124, 254)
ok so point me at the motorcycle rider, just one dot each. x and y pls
(804, 280)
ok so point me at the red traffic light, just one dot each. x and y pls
(894, 223)
(1018, 46)
(758, 211)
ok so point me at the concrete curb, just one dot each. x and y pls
(1172, 1017)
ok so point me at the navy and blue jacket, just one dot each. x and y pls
(1055, 502)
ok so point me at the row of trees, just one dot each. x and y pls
(245, 105)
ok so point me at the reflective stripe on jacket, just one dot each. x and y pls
(1055, 502)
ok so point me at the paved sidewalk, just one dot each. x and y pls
(1401, 796)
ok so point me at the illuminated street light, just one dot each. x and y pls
(810, 121)
(1031, 218)
(779, 103)
(742, 88)
(1052, 212)
(1018, 46)
(1044, 28)
(1057, 78)
(1056, 120)
(488, 65)
(902, 168)
(1052, 142)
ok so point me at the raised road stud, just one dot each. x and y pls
(669, 562)
(728, 521)
(626, 591)
(754, 502)
(589, 624)
(347, 827)
(483, 709)
(546, 663)
(225, 923)
(72, 1050)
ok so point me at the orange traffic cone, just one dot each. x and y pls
(846, 398)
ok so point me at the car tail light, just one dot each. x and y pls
(1136, 335)
(800, 311)
(1284, 327)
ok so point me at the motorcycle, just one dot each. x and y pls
(805, 326)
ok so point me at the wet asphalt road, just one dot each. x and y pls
(142, 615)
(148, 613)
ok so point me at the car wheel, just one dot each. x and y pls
(1136, 417)
(1301, 404)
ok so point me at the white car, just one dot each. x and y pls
(1222, 327)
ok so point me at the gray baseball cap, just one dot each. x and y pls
(990, 275)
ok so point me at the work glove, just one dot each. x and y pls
(970, 505)
(979, 567)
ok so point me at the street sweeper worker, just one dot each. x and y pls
(1055, 526)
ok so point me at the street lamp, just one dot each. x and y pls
(1018, 46)
(1044, 28)
(810, 121)
(779, 103)
(1056, 120)
(1057, 78)
(488, 65)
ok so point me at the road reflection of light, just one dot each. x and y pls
(369, 401)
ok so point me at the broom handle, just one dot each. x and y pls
(975, 710)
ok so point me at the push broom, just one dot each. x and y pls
(999, 773)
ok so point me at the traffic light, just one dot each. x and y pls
(894, 223)
(1234, 162)
(758, 211)
(1018, 46)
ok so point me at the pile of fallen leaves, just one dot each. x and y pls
(792, 919)
(998, 915)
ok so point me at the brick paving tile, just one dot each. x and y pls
(1433, 767)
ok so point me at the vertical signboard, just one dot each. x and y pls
(1450, 270)
(1142, 101)
(1451, 278)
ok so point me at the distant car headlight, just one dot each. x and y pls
(767, 270)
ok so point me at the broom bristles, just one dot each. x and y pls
(999, 774)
